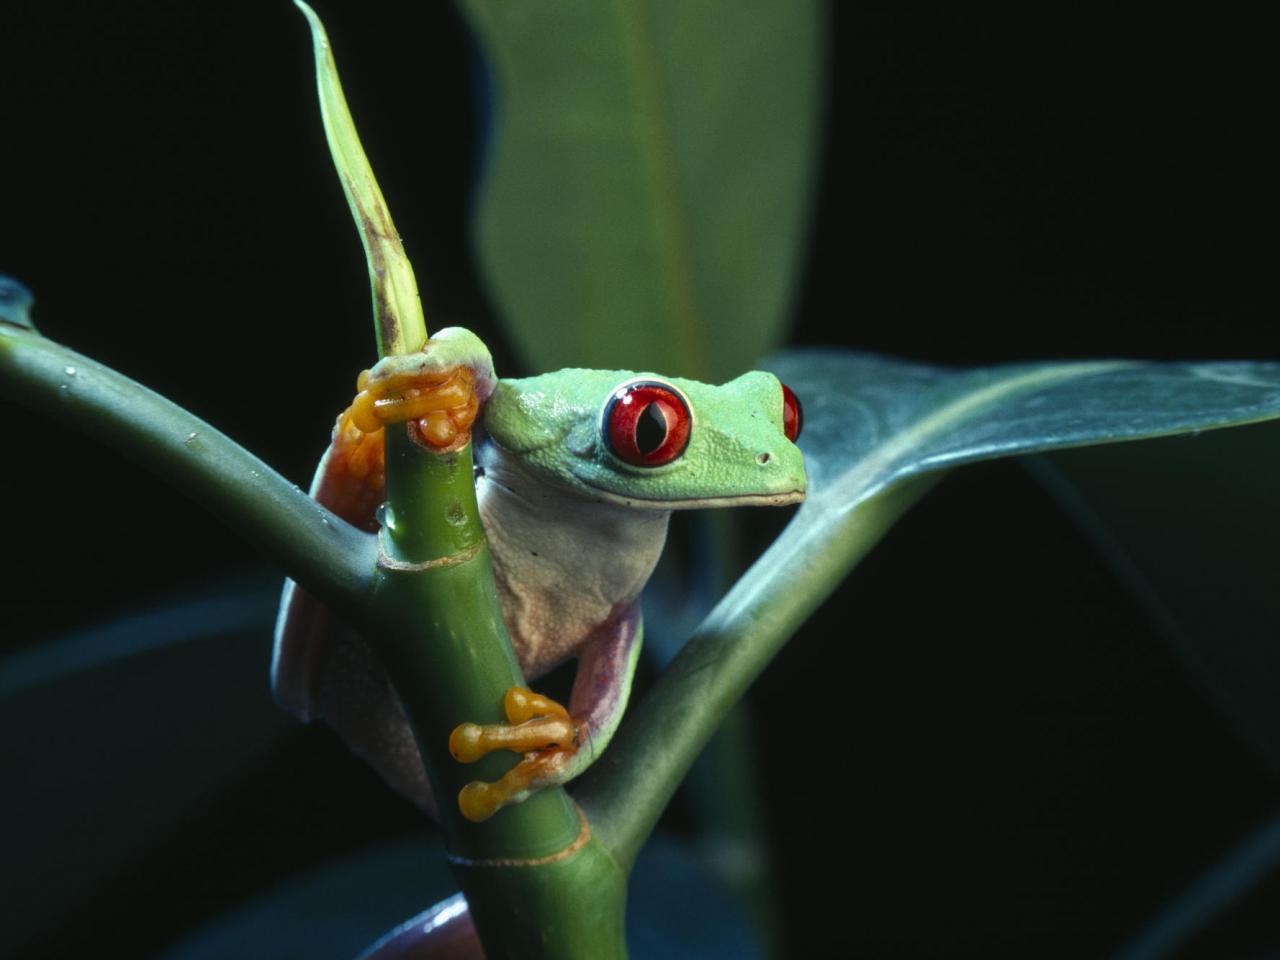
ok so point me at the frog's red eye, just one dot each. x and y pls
(646, 424)
(792, 414)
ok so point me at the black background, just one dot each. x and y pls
(1016, 765)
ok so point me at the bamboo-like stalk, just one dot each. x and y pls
(537, 882)
(440, 631)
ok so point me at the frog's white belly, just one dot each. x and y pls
(564, 565)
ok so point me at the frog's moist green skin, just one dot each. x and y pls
(737, 453)
(575, 531)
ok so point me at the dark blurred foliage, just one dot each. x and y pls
(1015, 761)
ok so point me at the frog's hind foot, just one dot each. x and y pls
(536, 726)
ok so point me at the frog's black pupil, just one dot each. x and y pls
(651, 429)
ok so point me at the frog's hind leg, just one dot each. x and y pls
(351, 482)
(557, 744)
(320, 667)
(602, 685)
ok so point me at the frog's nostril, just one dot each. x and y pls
(763, 458)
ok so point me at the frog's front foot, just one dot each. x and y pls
(437, 391)
(536, 726)
(439, 405)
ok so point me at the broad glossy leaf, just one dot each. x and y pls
(872, 422)
(646, 199)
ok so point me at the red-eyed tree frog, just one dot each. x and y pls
(577, 473)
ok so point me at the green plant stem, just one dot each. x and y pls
(537, 883)
(441, 634)
(322, 552)
(626, 791)
(440, 631)
(572, 909)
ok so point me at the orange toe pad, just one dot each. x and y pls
(441, 405)
(536, 726)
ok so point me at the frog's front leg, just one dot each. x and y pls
(557, 744)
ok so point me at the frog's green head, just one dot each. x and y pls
(642, 440)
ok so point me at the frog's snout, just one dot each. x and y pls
(781, 473)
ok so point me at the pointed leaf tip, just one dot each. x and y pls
(318, 35)
(398, 319)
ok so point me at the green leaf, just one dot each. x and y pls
(646, 203)
(878, 431)
(873, 421)
(397, 310)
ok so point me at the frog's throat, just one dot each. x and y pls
(565, 562)
(740, 500)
